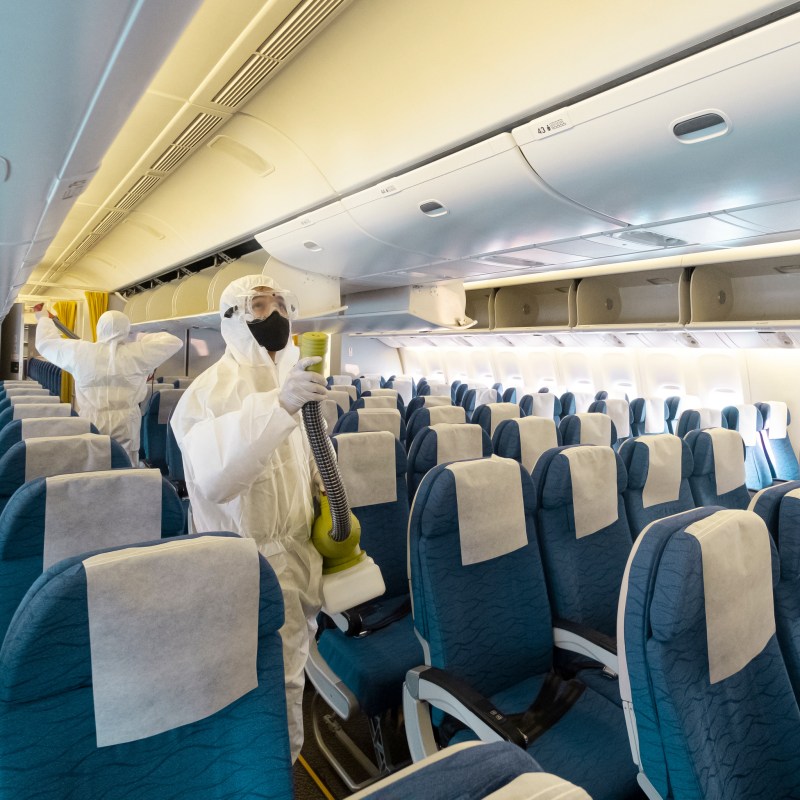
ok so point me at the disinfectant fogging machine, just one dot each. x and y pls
(349, 576)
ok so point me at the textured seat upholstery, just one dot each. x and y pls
(490, 415)
(154, 426)
(709, 488)
(588, 428)
(488, 570)
(525, 440)
(661, 490)
(52, 690)
(671, 410)
(649, 415)
(711, 709)
(767, 504)
(787, 592)
(31, 510)
(697, 419)
(781, 456)
(747, 420)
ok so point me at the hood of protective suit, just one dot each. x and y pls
(238, 338)
(113, 326)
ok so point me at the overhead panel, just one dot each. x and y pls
(479, 200)
(710, 133)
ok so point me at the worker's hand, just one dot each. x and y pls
(302, 387)
(40, 312)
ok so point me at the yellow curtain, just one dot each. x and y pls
(67, 313)
(98, 304)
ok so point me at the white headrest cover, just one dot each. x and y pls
(166, 403)
(342, 399)
(173, 631)
(430, 400)
(42, 410)
(777, 421)
(20, 392)
(491, 516)
(582, 401)
(593, 471)
(34, 399)
(439, 389)
(342, 380)
(663, 481)
(379, 419)
(654, 421)
(748, 425)
(728, 459)
(379, 402)
(455, 442)
(368, 384)
(95, 510)
(404, 388)
(737, 584)
(330, 413)
(536, 435)
(36, 427)
(485, 396)
(367, 465)
(446, 413)
(384, 393)
(350, 389)
(60, 455)
(710, 417)
(620, 413)
(595, 429)
(500, 411)
(544, 404)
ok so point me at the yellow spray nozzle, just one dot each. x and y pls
(336, 556)
(314, 343)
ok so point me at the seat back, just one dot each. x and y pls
(426, 401)
(718, 474)
(747, 420)
(649, 415)
(697, 419)
(49, 519)
(767, 504)
(367, 382)
(81, 671)
(404, 388)
(659, 467)
(541, 404)
(473, 398)
(461, 390)
(489, 416)
(788, 588)
(568, 406)
(583, 532)
(775, 440)
(154, 426)
(174, 456)
(526, 439)
(380, 398)
(620, 413)
(372, 419)
(713, 710)
(589, 428)
(37, 410)
(339, 380)
(341, 398)
(473, 556)
(331, 411)
(671, 410)
(19, 430)
(28, 399)
(24, 391)
(427, 415)
(444, 442)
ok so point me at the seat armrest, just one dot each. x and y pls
(456, 697)
(587, 641)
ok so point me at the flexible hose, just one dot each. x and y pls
(325, 457)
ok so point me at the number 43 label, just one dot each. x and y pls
(549, 126)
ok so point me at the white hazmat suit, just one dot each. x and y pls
(249, 469)
(110, 374)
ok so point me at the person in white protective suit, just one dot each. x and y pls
(247, 460)
(111, 374)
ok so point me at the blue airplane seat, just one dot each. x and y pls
(426, 401)
(601, 395)
(372, 419)
(541, 404)
(787, 592)
(49, 519)
(698, 419)
(747, 420)
(404, 386)
(510, 395)
(174, 456)
(588, 428)
(620, 413)
(21, 391)
(35, 410)
(649, 415)
(19, 430)
(567, 401)
(775, 440)
(331, 412)
(366, 382)
(423, 387)
(428, 415)
(80, 670)
(461, 390)
(659, 467)
(27, 399)
(154, 426)
(718, 475)
(444, 442)
(474, 555)
(526, 439)
(672, 407)
(453, 389)
(478, 397)
(767, 504)
(349, 664)
(490, 415)
(382, 396)
(705, 687)
(498, 387)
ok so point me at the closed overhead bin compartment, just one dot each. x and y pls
(328, 242)
(191, 296)
(159, 305)
(713, 132)
(478, 200)
(136, 306)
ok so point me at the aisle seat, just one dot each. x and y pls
(490, 415)
(588, 428)
(372, 419)
(526, 439)
(775, 440)
(541, 404)
(767, 504)
(718, 475)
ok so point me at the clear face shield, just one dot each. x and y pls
(268, 314)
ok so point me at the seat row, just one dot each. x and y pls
(46, 374)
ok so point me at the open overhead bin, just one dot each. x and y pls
(709, 133)
(548, 304)
(478, 200)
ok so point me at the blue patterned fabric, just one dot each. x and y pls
(507, 647)
(422, 457)
(757, 470)
(505, 441)
(570, 430)
(47, 732)
(638, 414)
(583, 575)
(767, 504)
(174, 456)
(154, 434)
(567, 401)
(453, 389)
(466, 775)
(703, 481)
(779, 452)
(12, 468)
(787, 592)
(672, 406)
(735, 739)
(22, 539)
(12, 433)
(461, 390)
(482, 416)
(348, 423)
(510, 395)
(526, 407)
(636, 458)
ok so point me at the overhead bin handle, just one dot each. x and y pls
(700, 127)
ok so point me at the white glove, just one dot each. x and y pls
(40, 311)
(301, 387)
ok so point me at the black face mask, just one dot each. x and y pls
(271, 333)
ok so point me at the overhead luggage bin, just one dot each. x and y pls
(191, 296)
(479, 200)
(547, 305)
(480, 307)
(708, 133)
(328, 242)
(136, 307)
(159, 304)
